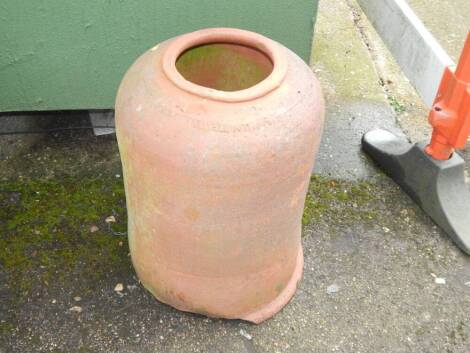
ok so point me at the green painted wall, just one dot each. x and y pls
(70, 54)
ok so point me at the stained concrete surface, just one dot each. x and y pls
(447, 20)
(347, 121)
(379, 275)
(11, 145)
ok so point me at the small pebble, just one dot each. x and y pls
(386, 230)
(245, 334)
(467, 284)
(332, 289)
(119, 287)
(76, 309)
(110, 219)
(77, 298)
(94, 228)
(440, 280)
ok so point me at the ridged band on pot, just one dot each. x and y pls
(216, 180)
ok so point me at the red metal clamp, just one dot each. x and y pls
(450, 115)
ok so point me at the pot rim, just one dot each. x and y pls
(273, 50)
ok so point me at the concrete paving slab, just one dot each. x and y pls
(340, 154)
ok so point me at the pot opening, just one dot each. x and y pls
(224, 66)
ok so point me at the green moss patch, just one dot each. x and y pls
(338, 200)
(396, 105)
(55, 230)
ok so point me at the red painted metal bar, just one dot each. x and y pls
(450, 115)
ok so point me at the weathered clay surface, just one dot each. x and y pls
(216, 180)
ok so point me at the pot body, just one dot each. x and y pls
(216, 181)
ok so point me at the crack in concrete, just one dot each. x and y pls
(357, 15)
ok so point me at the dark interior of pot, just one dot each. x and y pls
(224, 66)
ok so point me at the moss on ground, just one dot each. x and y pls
(6, 328)
(329, 199)
(54, 233)
(52, 230)
(398, 107)
(340, 58)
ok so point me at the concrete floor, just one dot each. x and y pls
(379, 275)
(448, 21)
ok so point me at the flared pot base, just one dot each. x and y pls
(272, 308)
(261, 314)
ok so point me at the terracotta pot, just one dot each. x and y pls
(217, 131)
